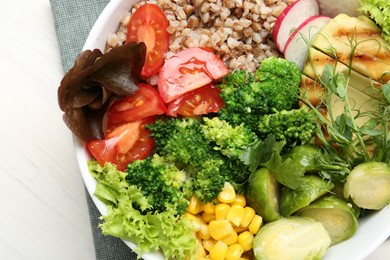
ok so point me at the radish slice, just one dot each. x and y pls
(296, 47)
(332, 8)
(291, 17)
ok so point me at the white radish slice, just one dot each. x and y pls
(291, 17)
(297, 45)
(332, 8)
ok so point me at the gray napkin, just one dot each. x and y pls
(73, 20)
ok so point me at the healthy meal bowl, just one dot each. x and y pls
(268, 185)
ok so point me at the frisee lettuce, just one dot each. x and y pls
(379, 11)
(165, 231)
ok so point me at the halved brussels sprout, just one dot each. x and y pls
(262, 194)
(311, 189)
(338, 217)
(368, 185)
(306, 156)
(291, 238)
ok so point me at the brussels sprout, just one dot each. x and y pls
(306, 156)
(311, 189)
(337, 216)
(262, 194)
(291, 238)
(368, 185)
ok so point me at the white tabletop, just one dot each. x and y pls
(44, 214)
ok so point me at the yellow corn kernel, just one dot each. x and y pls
(208, 244)
(236, 215)
(231, 239)
(255, 224)
(248, 216)
(221, 211)
(207, 217)
(204, 232)
(195, 205)
(220, 228)
(245, 239)
(219, 250)
(200, 251)
(240, 200)
(234, 252)
(240, 229)
(228, 194)
(209, 208)
(195, 220)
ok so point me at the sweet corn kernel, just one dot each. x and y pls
(195, 220)
(204, 232)
(255, 224)
(240, 229)
(195, 205)
(207, 217)
(228, 194)
(236, 215)
(208, 244)
(200, 252)
(220, 228)
(219, 250)
(240, 200)
(209, 208)
(234, 252)
(248, 216)
(221, 211)
(245, 239)
(231, 239)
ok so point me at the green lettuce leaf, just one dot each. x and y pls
(379, 11)
(166, 231)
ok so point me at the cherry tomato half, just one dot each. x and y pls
(144, 103)
(125, 144)
(187, 70)
(200, 101)
(149, 24)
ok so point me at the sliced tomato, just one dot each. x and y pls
(200, 101)
(144, 103)
(187, 70)
(123, 145)
(149, 24)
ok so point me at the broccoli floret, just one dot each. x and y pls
(161, 182)
(247, 96)
(294, 126)
(230, 140)
(183, 142)
(180, 140)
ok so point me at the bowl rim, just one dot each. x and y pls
(349, 249)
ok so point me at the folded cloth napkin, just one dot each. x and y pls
(73, 20)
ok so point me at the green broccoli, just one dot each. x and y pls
(294, 126)
(230, 141)
(183, 141)
(180, 140)
(161, 182)
(247, 96)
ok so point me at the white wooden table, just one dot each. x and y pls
(44, 213)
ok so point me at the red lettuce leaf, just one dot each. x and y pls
(95, 78)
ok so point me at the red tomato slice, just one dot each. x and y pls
(125, 144)
(149, 24)
(200, 101)
(187, 70)
(144, 103)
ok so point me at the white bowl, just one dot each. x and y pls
(371, 233)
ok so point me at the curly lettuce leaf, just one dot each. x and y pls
(166, 231)
(379, 11)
